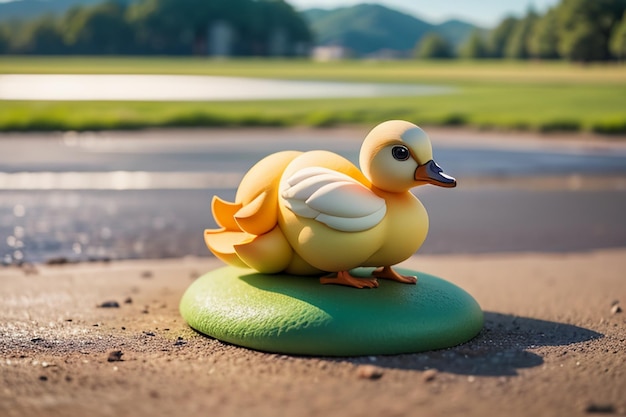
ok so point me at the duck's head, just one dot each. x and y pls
(397, 156)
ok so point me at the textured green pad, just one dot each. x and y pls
(298, 315)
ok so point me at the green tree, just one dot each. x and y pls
(585, 28)
(583, 44)
(271, 18)
(12, 36)
(184, 26)
(544, 38)
(618, 40)
(433, 45)
(41, 36)
(101, 29)
(4, 40)
(517, 45)
(176, 26)
(499, 37)
(475, 47)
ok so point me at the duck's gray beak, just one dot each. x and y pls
(432, 173)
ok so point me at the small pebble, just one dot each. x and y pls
(616, 309)
(600, 408)
(146, 274)
(110, 304)
(128, 300)
(43, 378)
(57, 261)
(149, 333)
(429, 375)
(115, 356)
(369, 372)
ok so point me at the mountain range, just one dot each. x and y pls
(364, 29)
(369, 28)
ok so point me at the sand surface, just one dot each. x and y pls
(554, 344)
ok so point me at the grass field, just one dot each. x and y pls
(491, 95)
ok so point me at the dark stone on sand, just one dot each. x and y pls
(115, 356)
(109, 304)
(57, 261)
(600, 408)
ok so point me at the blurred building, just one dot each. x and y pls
(221, 37)
(330, 53)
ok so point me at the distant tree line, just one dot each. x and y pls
(576, 30)
(171, 27)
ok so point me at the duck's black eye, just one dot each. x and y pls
(401, 153)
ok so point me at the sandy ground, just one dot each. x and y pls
(554, 344)
(554, 341)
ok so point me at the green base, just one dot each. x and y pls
(298, 315)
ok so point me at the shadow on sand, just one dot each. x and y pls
(500, 349)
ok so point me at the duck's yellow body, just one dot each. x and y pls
(314, 212)
(396, 237)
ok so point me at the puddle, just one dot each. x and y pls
(192, 88)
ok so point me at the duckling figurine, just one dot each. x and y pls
(315, 212)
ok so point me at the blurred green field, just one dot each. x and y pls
(537, 96)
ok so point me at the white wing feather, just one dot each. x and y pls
(333, 198)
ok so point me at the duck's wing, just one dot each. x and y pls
(332, 198)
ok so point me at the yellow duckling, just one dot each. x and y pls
(314, 212)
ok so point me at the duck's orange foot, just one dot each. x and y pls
(344, 278)
(387, 273)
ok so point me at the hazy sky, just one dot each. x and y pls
(482, 12)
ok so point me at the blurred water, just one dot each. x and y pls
(191, 88)
(88, 225)
(200, 159)
(96, 225)
(119, 195)
(118, 180)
